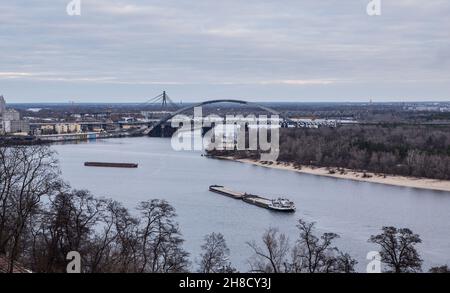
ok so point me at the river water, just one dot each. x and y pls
(354, 210)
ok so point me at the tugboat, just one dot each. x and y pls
(282, 205)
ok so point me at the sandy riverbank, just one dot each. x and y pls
(424, 183)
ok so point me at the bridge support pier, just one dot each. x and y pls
(162, 130)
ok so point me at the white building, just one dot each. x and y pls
(10, 120)
(10, 114)
(2, 105)
(67, 128)
(16, 126)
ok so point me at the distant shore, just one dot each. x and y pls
(403, 181)
(58, 138)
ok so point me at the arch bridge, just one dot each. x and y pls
(242, 102)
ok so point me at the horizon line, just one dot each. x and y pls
(281, 102)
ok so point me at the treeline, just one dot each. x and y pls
(419, 151)
(42, 220)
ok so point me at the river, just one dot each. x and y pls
(354, 210)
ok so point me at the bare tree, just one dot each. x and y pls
(115, 244)
(215, 255)
(317, 255)
(160, 238)
(27, 173)
(65, 224)
(345, 263)
(312, 251)
(440, 270)
(398, 250)
(272, 257)
(149, 243)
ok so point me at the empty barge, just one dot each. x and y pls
(222, 190)
(111, 165)
(279, 204)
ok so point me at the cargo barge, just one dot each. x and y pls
(222, 190)
(279, 204)
(111, 165)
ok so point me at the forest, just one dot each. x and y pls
(418, 151)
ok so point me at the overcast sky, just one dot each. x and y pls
(277, 50)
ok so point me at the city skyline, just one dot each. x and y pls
(302, 51)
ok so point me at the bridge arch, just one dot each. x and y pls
(170, 116)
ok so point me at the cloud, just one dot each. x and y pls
(299, 82)
(120, 8)
(60, 77)
(297, 47)
(14, 74)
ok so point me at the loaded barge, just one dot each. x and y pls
(279, 204)
(111, 165)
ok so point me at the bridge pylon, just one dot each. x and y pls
(165, 101)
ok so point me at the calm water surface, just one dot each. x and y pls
(354, 210)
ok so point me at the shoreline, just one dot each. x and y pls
(59, 138)
(393, 180)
